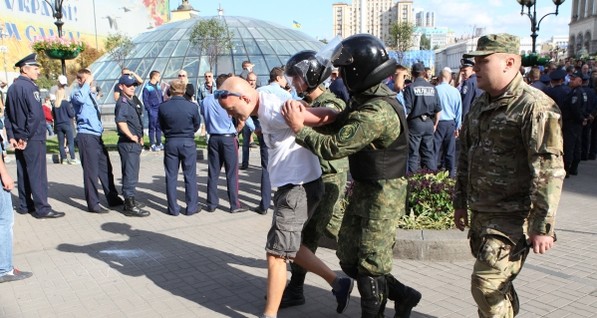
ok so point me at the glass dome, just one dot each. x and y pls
(167, 49)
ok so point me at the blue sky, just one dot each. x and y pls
(315, 16)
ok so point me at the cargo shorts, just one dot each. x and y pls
(293, 206)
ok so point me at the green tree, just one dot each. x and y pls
(425, 43)
(88, 56)
(401, 36)
(212, 38)
(119, 46)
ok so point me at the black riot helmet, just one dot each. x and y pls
(363, 62)
(306, 71)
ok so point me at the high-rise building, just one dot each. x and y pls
(370, 16)
(425, 19)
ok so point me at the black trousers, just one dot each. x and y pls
(32, 177)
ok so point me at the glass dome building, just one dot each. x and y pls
(167, 49)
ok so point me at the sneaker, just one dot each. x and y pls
(154, 148)
(64, 162)
(343, 295)
(15, 275)
(160, 147)
(73, 162)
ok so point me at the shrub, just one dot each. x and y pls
(429, 201)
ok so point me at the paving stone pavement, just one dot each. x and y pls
(213, 264)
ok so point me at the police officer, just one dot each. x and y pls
(308, 72)
(179, 120)
(423, 107)
(130, 142)
(373, 134)
(468, 88)
(557, 90)
(590, 110)
(574, 117)
(26, 131)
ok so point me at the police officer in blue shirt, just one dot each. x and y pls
(26, 131)
(130, 143)
(179, 120)
(222, 148)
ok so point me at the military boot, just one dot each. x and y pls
(404, 297)
(293, 293)
(374, 295)
(131, 208)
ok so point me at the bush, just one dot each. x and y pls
(429, 201)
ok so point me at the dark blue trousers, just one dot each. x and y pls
(420, 143)
(96, 165)
(266, 186)
(32, 177)
(130, 157)
(155, 133)
(181, 152)
(572, 146)
(246, 144)
(222, 150)
(63, 130)
(445, 145)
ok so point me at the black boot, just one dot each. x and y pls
(374, 295)
(132, 209)
(293, 293)
(404, 297)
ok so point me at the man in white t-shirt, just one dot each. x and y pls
(296, 174)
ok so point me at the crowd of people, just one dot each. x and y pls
(371, 121)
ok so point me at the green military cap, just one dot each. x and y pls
(496, 43)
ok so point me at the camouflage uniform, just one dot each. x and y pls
(510, 175)
(368, 230)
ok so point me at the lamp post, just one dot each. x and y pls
(533, 15)
(57, 13)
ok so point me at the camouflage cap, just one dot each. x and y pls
(496, 43)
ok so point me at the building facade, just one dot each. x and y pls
(370, 16)
(425, 19)
(583, 25)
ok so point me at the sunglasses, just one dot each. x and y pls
(224, 94)
(181, 75)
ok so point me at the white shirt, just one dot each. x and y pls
(289, 163)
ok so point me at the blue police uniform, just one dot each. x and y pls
(588, 128)
(129, 112)
(469, 91)
(222, 148)
(179, 120)
(26, 123)
(95, 159)
(422, 103)
(573, 114)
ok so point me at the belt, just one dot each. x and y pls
(423, 117)
(290, 185)
(224, 135)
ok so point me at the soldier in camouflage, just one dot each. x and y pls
(372, 133)
(512, 149)
(307, 71)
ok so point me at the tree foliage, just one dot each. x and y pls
(401, 36)
(88, 56)
(212, 38)
(425, 43)
(119, 46)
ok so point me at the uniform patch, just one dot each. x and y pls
(346, 133)
(574, 99)
(36, 95)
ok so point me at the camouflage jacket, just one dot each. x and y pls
(511, 156)
(328, 99)
(365, 123)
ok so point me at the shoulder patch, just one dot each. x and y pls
(346, 133)
(36, 96)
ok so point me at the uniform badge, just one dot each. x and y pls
(346, 133)
(36, 95)
(574, 99)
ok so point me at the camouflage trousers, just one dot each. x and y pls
(368, 232)
(498, 242)
(327, 217)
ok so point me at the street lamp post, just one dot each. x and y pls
(57, 13)
(533, 16)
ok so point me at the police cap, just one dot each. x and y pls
(127, 80)
(30, 59)
(466, 63)
(557, 75)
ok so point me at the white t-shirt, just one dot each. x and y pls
(289, 163)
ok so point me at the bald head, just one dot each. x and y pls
(445, 75)
(241, 100)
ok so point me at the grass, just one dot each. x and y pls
(110, 138)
